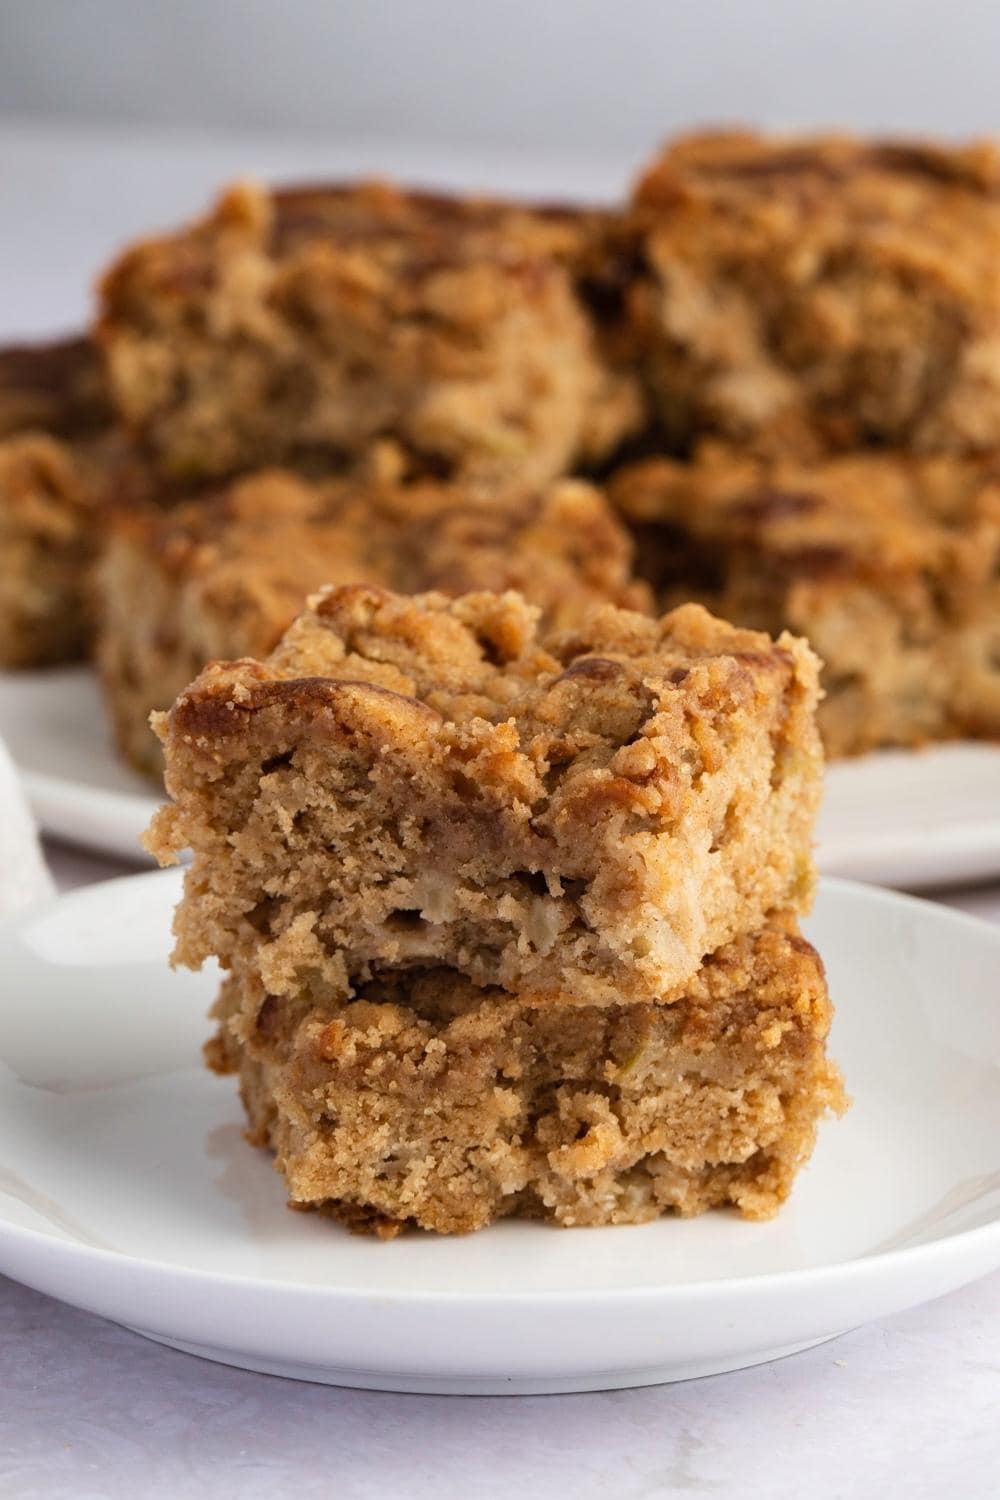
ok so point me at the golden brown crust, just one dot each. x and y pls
(888, 562)
(563, 813)
(320, 320)
(822, 292)
(427, 1102)
(485, 657)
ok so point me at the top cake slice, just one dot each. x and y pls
(576, 816)
(822, 291)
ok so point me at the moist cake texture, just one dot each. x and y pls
(223, 577)
(425, 1101)
(575, 816)
(319, 320)
(889, 563)
(54, 455)
(821, 292)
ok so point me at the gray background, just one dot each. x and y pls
(552, 73)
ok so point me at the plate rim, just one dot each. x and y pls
(58, 789)
(62, 814)
(736, 1287)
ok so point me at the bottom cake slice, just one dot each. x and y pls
(426, 1101)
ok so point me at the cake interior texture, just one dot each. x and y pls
(428, 1102)
(410, 782)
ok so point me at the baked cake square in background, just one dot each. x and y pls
(576, 816)
(821, 292)
(319, 320)
(224, 575)
(888, 562)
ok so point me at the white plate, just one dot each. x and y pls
(913, 818)
(126, 1187)
(79, 787)
(904, 818)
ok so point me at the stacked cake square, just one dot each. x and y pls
(507, 908)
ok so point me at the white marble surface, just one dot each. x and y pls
(907, 1407)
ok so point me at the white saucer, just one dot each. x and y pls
(904, 818)
(126, 1187)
